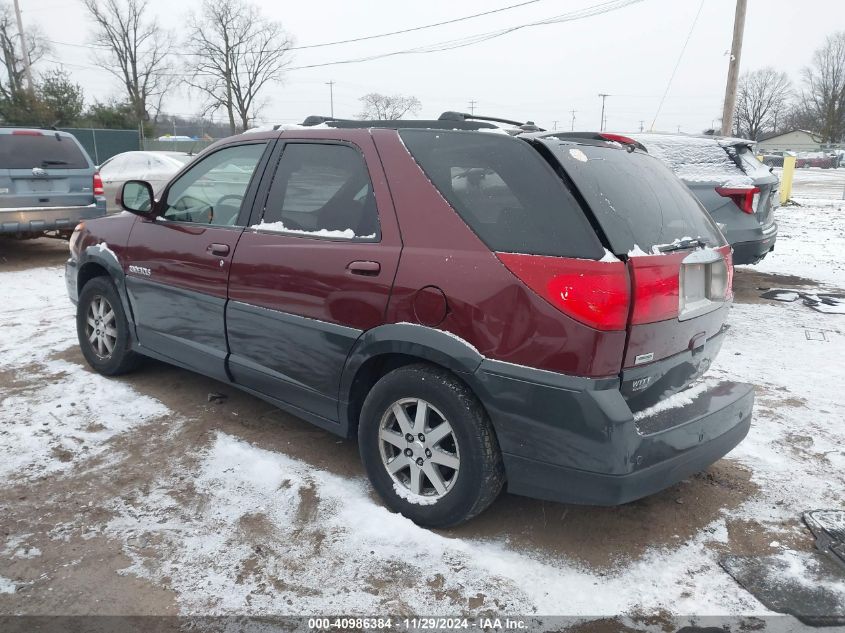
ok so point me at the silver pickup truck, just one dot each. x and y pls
(48, 184)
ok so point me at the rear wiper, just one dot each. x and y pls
(682, 244)
(44, 163)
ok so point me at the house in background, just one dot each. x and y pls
(793, 141)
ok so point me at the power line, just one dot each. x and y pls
(677, 63)
(591, 11)
(355, 39)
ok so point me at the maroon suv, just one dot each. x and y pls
(478, 308)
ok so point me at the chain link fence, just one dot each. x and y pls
(103, 144)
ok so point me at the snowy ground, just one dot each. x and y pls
(137, 496)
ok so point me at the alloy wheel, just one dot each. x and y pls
(419, 450)
(101, 326)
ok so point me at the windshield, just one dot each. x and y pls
(47, 150)
(638, 202)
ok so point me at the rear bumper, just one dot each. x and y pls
(40, 219)
(575, 440)
(752, 251)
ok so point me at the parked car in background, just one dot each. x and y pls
(157, 168)
(48, 183)
(738, 191)
(478, 309)
(824, 160)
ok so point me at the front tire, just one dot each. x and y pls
(428, 447)
(103, 330)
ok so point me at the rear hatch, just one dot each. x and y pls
(677, 260)
(43, 169)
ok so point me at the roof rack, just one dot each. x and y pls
(314, 120)
(527, 126)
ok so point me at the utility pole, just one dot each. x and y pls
(572, 129)
(330, 84)
(733, 68)
(554, 125)
(679, 129)
(603, 97)
(472, 106)
(24, 52)
(641, 125)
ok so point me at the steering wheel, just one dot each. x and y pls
(234, 196)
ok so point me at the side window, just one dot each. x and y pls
(212, 192)
(322, 190)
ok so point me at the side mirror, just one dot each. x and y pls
(136, 196)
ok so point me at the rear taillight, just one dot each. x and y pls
(592, 292)
(98, 185)
(727, 253)
(656, 287)
(743, 197)
(27, 133)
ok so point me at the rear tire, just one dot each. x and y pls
(428, 447)
(103, 330)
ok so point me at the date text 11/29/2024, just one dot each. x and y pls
(417, 624)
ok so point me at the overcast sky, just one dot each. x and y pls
(539, 73)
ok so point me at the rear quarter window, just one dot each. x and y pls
(636, 199)
(505, 192)
(47, 150)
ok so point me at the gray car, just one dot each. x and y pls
(157, 168)
(47, 183)
(738, 191)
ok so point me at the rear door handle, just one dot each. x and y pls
(364, 268)
(218, 249)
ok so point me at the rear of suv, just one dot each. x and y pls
(478, 309)
(48, 183)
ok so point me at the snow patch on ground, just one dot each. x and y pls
(215, 570)
(7, 586)
(69, 413)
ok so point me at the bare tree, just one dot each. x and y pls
(138, 51)
(388, 108)
(12, 84)
(235, 52)
(762, 98)
(824, 88)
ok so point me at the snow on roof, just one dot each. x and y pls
(694, 159)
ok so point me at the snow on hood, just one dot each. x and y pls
(695, 159)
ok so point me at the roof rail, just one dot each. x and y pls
(527, 126)
(453, 124)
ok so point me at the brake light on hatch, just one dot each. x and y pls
(745, 198)
(592, 292)
(656, 287)
(98, 185)
(26, 133)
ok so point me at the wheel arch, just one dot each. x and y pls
(388, 347)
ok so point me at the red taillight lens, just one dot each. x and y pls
(27, 133)
(98, 185)
(742, 196)
(619, 138)
(656, 287)
(594, 293)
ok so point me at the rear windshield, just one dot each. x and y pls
(48, 150)
(504, 190)
(637, 200)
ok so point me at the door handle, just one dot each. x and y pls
(364, 268)
(218, 249)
